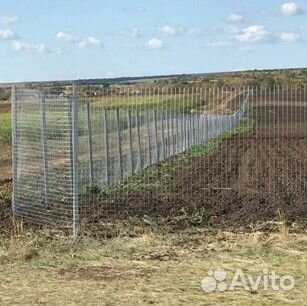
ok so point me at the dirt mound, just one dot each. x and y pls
(256, 177)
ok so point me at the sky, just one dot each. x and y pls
(78, 39)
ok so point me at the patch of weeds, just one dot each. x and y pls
(22, 248)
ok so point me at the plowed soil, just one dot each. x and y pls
(254, 177)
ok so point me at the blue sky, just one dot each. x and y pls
(72, 39)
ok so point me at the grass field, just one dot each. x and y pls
(183, 101)
(153, 267)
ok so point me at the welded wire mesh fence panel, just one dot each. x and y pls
(122, 132)
(42, 157)
(72, 144)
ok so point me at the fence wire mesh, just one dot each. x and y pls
(71, 144)
(42, 170)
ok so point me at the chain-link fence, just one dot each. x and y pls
(72, 141)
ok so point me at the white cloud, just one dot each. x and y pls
(89, 42)
(235, 18)
(66, 37)
(85, 42)
(28, 47)
(154, 43)
(291, 9)
(8, 19)
(168, 30)
(7, 35)
(290, 37)
(254, 34)
(216, 44)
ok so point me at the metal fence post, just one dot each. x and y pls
(190, 130)
(148, 135)
(168, 154)
(202, 128)
(44, 138)
(184, 132)
(119, 145)
(162, 133)
(185, 126)
(75, 135)
(172, 134)
(156, 135)
(90, 141)
(139, 139)
(14, 144)
(177, 148)
(106, 145)
(130, 140)
(195, 128)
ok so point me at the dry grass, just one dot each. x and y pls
(152, 268)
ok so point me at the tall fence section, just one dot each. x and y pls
(70, 142)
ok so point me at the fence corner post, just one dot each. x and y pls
(14, 144)
(75, 182)
(44, 138)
